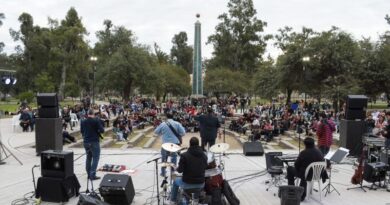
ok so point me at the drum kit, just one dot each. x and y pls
(212, 168)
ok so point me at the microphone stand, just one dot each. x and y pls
(157, 186)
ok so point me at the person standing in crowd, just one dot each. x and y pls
(307, 156)
(25, 120)
(193, 165)
(171, 132)
(91, 128)
(209, 127)
(325, 130)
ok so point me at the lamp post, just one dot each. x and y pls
(93, 59)
(305, 59)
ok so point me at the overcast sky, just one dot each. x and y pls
(158, 20)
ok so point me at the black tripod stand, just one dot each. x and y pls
(7, 153)
(330, 188)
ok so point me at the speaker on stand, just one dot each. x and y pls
(58, 182)
(48, 128)
(353, 127)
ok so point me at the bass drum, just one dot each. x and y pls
(211, 164)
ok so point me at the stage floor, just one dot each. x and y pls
(16, 180)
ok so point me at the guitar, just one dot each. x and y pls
(357, 178)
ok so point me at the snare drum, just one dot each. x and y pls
(211, 160)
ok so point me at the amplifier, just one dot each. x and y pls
(57, 164)
(253, 149)
(117, 189)
(375, 172)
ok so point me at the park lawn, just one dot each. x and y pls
(13, 106)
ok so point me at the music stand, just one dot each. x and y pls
(335, 157)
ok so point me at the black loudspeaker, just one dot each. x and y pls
(48, 134)
(356, 106)
(56, 189)
(356, 102)
(253, 149)
(48, 112)
(356, 114)
(117, 189)
(375, 172)
(47, 100)
(351, 133)
(57, 164)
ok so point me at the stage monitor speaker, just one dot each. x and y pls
(48, 112)
(351, 133)
(57, 163)
(47, 99)
(51, 189)
(356, 102)
(48, 134)
(117, 189)
(253, 149)
(355, 114)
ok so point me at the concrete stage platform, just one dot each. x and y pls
(16, 180)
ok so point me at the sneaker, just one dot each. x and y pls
(95, 178)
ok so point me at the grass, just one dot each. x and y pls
(11, 105)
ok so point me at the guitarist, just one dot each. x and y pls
(170, 131)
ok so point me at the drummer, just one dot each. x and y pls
(193, 165)
(168, 136)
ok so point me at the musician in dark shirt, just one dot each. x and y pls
(309, 155)
(192, 164)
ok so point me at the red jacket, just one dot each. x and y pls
(325, 133)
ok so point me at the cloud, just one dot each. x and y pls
(158, 20)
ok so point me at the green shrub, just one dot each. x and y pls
(26, 96)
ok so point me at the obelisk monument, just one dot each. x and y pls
(197, 84)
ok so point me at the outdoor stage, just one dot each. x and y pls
(16, 180)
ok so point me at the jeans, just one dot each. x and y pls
(164, 158)
(92, 150)
(204, 142)
(291, 174)
(179, 183)
(324, 150)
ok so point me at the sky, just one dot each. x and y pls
(159, 20)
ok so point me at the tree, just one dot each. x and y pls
(290, 64)
(238, 43)
(110, 41)
(224, 80)
(44, 83)
(128, 69)
(266, 80)
(181, 53)
(73, 49)
(162, 58)
(2, 16)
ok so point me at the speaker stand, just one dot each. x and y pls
(4, 149)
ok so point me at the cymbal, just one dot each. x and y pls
(170, 147)
(167, 164)
(219, 148)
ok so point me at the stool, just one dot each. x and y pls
(190, 195)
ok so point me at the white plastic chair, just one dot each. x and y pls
(16, 123)
(317, 168)
(73, 119)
